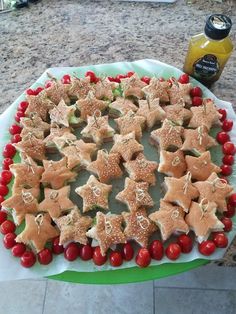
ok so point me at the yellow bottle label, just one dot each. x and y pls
(206, 67)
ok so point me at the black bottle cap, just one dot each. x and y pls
(218, 26)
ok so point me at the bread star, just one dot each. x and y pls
(64, 140)
(103, 89)
(206, 115)
(94, 194)
(172, 164)
(56, 173)
(135, 195)
(197, 140)
(215, 190)
(177, 113)
(80, 87)
(56, 202)
(98, 129)
(168, 136)
(151, 111)
(201, 167)
(121, 107)
(107, 231)
(169, 219)
(32, 132)
(62, 113)
(126, 146)
(32, 147)
(58, 91)
(79, 153)
(73, 227)
(106, 166)
(22, 203)
(132, 86)
(39, 105)
(141, 169)
(55, 132)
(202, 219)
(157, 89)
(129, 123)
(179, 92)
(35, 122)
(180, 191)
(138, 226)
(38, 231)
(89, 105)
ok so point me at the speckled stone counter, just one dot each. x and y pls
(72, 33)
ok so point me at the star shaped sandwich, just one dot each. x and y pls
(141, 169)
(58, 91)
(89, 105)
(62, 114)
(180, 191)
(107, 231)
(103, 89)
(64, 140)
(79, 153)
(56, 173)
(55, 132)
(177, 113)
(56, 202)
(202, 219)
(151, 111)
(215, 190)
(172, 163)
(169, 219)
(121, 107)
(106, 166)
(38, 231)
(32, 147)
(94, 194)
(138, 226)
(206, 115)
(126, 146)
(168, 136)
(132, 86)
(34, 122)
(201, 167)
(39, 105)
(179, 92)
(80, 87)
(73, 227)
(98, 129)
(198, 140)
(135, 195)
(157, 89)
(131, 123)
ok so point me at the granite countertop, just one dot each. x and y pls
(56, 33)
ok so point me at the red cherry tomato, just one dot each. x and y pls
(223, 113)
(232, 199)
(228, 224)
(146, 79)
(18, 249)
(173, 251)
(16, 138)
(45, 256)
(9, 151)
(227, 125)
(98, 258)
(23, 106)
(3, 216)
(7, 226)
(156, 250)
(3, 190)
(92, 76)
(196, 101)
(48, 84)
(2, 199)
(226, 170)
(9, 240)
(5, 176)
(56, 247)
(222, 137)
(220, 239)
(230, 211)
(185, 243)
(143, 258)
(19, 114)
(66, 79)
(206, 247)
(127, 252)
(6, 163)
(130, 73)
(196, 92)
(31, 92)
(71, 252)
(116, 259)
(38, 90)
(183, 79)
(28, 259)
(86, 252)
(111, 79)
(15, 129)
(228, 148)
(228, 160)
